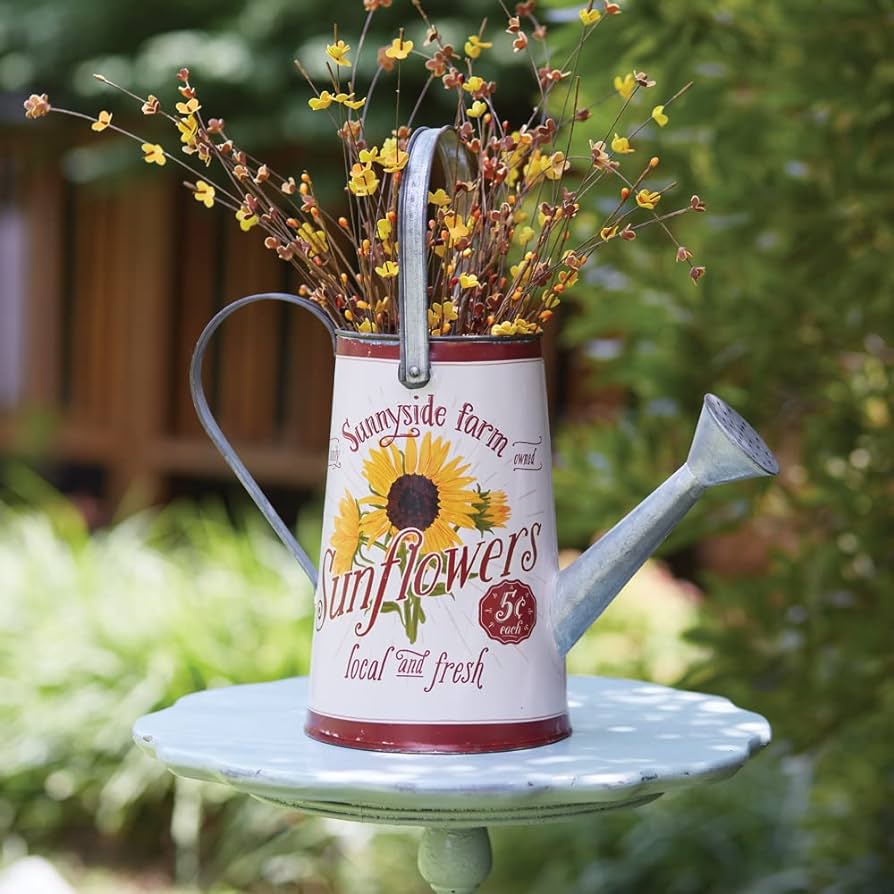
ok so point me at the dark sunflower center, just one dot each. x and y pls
(412, 502)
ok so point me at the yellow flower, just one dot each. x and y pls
(367, 326)
(347, 99)
(36, 106)
(153, 154)
(468, 280)
(422, 488)
(647, 199)
(523, 269)
(188, 108)
(621, 145)
(363, 180)
(188, 128)
(391, 158)
(204, 193)
(246, 219)
(388, 270)
(440, 316)
(338, 53)
(659, 117)
(556, 166)
(625, 85)
(368, 156)
(345, 539)
(317, 239)
(474, 45)
(384, 228)
(478, 109)
(524, 235)
(456, 229)
(519, 327)
(324, 100)
(568, 277)
(539, 165)
(607, 233)
(103, 120)
(473, 84)
(439, 198)
(589, 16)
(399, 48)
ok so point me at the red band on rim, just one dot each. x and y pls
(449, 738)
(445, 350)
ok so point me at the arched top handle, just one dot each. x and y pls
(209, 423)
(412, 220)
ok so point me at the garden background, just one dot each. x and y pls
(777, 595)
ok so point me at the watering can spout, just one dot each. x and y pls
(724, 448)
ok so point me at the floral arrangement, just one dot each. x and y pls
(499, 259)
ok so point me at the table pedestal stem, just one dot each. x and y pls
(455, 861)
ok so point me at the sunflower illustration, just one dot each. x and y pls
(420, 488)
(345, 537)
(493, 510)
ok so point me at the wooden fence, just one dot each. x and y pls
(121, 279)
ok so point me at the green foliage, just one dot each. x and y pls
(788, 135)
(739, 836)
(101, 629)
(240, 55)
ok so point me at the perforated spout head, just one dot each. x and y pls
(726, 448)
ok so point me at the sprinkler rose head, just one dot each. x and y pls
(726, 448)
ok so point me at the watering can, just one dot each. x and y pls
(441, 618)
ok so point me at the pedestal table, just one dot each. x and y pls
(632, 742)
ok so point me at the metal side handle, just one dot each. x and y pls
(209, 423)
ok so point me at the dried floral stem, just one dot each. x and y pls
(497, 242)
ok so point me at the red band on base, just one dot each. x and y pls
(437, 738)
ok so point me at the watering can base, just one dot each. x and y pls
(437, 738)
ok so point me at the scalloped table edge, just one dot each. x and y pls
(435, 803)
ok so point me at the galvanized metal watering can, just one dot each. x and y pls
(441, 617)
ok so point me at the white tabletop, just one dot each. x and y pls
(632, 741)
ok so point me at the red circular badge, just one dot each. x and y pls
(508, 611)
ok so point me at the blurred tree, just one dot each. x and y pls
(789, 134)
(241, 58)
(240, 54)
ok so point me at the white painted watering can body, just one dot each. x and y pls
(439, 556)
